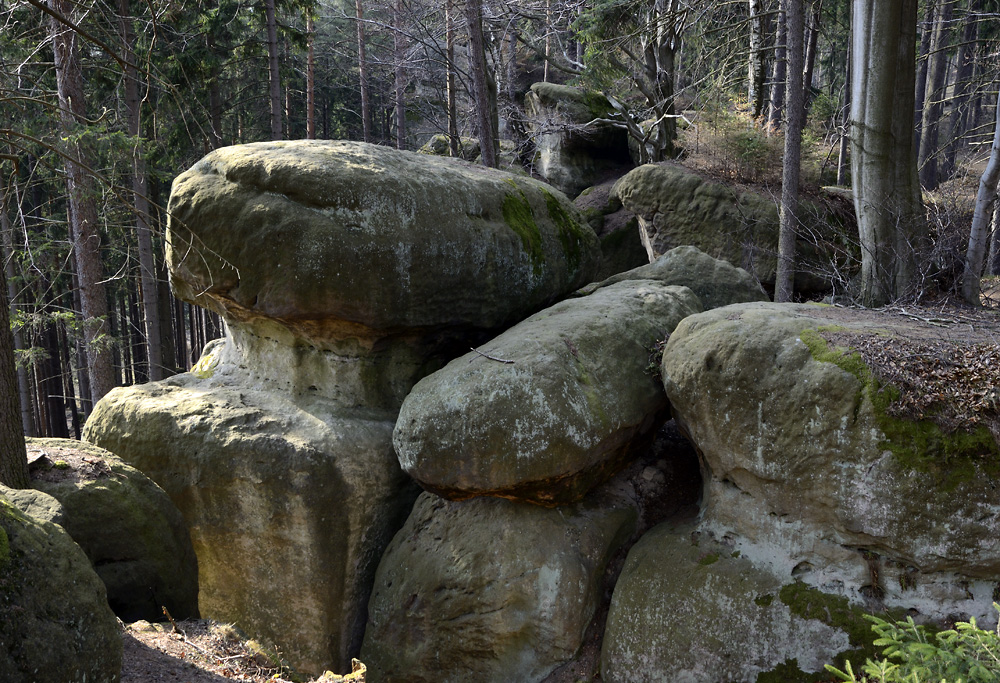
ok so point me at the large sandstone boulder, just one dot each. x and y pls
(489, 590)
(819, 470)
(617, 228)
(573, 150)
(551, 407)
(715, 282)
(345, 272)
(55, 623)
(129, 529)
(676, 206)
(690, 608)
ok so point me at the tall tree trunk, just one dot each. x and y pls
(310, 79)
(6, 253)
(449, 19)
(842, 160)
(82, 206)
(934, 102)
(144, 236)
(273, 72)
(757, 72)
(811, 46)
(883, 162)
(985, 199)
(963, 79)
(795, 113)
(366, 114)
(778, 73)
(214, 94)
(548, 40)
(484, 86)
(13, 455)
(926, 32)
(399, 57)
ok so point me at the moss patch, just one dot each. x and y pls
(706, 560)
(951, 458)
(569, 232)
(763, 600)
(518, 215)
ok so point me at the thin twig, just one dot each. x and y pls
(486, 355)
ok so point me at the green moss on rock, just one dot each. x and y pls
(571, 235)
(518, 215)
(918, 444)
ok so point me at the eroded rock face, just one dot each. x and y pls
(572, 150)
(551, 407)
(129, 529)
(345, 272)
(810, 476)
(55, 623)
(689, 608)
(488, 589)
(677, 207)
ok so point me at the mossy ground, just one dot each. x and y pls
(921, 444)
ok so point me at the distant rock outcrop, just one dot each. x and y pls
(574, 149)
(345, 272)
(55, 623)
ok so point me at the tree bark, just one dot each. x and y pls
(934, 102)
(842, 160)
(965, 62)
(810, 52)
(778, 74)
(883, 162)
(449, 20)
(310, 79)
(756, 75)
(795, 116)
(985, 199)
(484, 87)
(399, 57)
(13, 454)
(366, 114)
(82, 207)
(926, 31)
(272, 64)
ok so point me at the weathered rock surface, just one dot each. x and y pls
(55, 623)
(439, 146)
(488, 589)
(551, 407)
(289, 507)
(573, 152)
(36, 504)
(688, 608)
(715, 282)
(676, 207)
(131, 532)
(812, 477)
(337, 239)
(618, 230)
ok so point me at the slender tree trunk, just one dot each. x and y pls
(144, 237)
(483, 84)
(985, 199)
(926, 31)
(757, 71)
(23, 381)
(795, 117)
(963, 79)
(366, 115)
(934, 102)
(399, 56)
(310, 79)
(449, 18)
(273, 72)
(811, 46)
(883, 163)
(842, 160)
(214, 94)
(548, 40)
(13, 455)
(994, 264)
(778, 74)
(82, 207)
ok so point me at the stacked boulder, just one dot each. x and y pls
(544, 415)
(345, 272)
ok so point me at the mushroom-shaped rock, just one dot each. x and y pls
(489, 590)
(819, 459)
(716, 282)
(688, 608)
(127, 525)
(55, 623)
(335, 239)
(549, 408)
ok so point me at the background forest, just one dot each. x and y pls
(103, 102)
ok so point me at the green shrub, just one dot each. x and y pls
(914, 654)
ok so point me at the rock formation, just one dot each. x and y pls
(55, 623)
(345, 272)
(573, 149)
